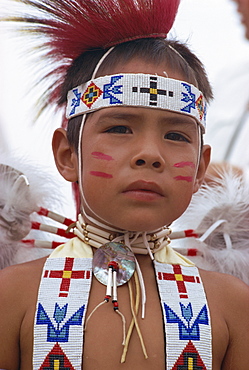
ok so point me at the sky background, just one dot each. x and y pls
(211, 28)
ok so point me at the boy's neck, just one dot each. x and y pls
(97, 234)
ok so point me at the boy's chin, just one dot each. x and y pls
(140, 222)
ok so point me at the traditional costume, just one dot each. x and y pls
(73, 27)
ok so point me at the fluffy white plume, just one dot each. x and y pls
(22, 193)
(16, 204)
(220, 212)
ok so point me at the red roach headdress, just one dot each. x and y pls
(73, 26)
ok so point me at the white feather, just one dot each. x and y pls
(16, 204)
(226, 249)
(22, 192)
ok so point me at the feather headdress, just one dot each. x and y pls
(72, 27)
(219, 214)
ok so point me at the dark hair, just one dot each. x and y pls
(175, 55)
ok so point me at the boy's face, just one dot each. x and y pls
(139, 164)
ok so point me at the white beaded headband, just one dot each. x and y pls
(140, 90)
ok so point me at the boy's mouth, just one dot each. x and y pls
(143, 188)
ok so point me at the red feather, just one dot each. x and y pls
(74, 26)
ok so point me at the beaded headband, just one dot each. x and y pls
(140, 90)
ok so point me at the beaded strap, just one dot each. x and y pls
(186, 317)
(61, 307)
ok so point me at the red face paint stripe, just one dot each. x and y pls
(101, 174)
(99, 155)
(184, 178)
(184, 164)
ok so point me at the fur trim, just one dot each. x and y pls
(226, 249)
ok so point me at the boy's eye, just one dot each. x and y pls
(174, 136)
(119, 130)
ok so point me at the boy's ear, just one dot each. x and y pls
(203, 165)
(65, 156)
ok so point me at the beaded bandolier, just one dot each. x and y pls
(63, 298)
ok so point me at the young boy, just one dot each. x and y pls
(138, 163)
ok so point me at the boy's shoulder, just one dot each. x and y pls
(224, 285)
(21, 267)
(21, 276)
(219, 280)
(228, 294)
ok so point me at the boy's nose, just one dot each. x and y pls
(142, 162)
(148, 152)
(148, 158)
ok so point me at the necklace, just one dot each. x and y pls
(138, 242)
